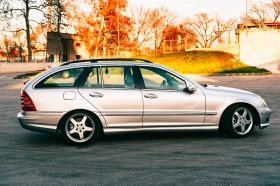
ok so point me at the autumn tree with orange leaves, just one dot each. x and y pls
(96, 22)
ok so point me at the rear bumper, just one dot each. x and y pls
(45, 122)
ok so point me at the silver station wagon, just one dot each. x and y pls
(83, 99)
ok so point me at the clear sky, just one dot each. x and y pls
(186, 8)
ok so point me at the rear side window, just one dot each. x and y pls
(94, 80)
(118, 77)
(65, 78)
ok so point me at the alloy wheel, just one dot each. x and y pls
(80, 127)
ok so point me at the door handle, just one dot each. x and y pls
(149, 95)
(96, 94)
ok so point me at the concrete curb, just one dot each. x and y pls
(234, 74)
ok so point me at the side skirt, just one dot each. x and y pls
(107, 130)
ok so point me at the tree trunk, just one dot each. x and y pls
(29, 48)
(7, 53)
(95, 52)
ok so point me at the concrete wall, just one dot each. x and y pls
(260, 48)
(229, 48)
(23, 67)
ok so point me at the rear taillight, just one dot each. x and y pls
(26, 102)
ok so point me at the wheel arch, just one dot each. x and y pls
(79, 110)
(251, 107)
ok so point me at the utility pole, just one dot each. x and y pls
(49, 16)
(118, 22)
(246, 14)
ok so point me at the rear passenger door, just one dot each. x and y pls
(115, 93)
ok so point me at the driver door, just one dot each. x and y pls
(165, 102)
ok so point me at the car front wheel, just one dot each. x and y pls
(80, 128)
(239, 121)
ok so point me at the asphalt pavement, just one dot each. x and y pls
(143, 158)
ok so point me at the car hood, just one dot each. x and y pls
(227, 90)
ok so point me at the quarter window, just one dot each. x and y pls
(155, 78)
(65, 78)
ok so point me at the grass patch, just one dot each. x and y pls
(202, 62)
(248, 69)
(28, 75)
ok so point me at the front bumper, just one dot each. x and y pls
(45, 122)
(265, 114)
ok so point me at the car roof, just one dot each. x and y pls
(107, 60)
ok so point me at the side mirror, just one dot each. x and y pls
(190, 89)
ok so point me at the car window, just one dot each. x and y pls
(93, 79)
(155, 78)
(65, 78)
(118, 77)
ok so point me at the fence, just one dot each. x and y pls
(23, 67)
(23, 59)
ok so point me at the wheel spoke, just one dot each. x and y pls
(81, 134)
(236, 125)
(84, 120)
(74, 121)
(72, 131)
(247, 122)
(243, 128)
(237, 114)
(244, 113)
(88, 129)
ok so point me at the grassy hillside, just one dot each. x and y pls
(203, 62)
(194, 62)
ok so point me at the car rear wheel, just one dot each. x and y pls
(238, 121)
(80, 128)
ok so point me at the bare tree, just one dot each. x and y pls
(20, 10)
(274, 9)
(260, 12)
(57, 18)
(162, 19)
(142, 20)
(57, 15)
(209, 27)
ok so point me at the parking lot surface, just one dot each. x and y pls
(143, 158)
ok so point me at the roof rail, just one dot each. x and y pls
(107, 59)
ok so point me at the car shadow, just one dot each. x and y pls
(41, 139)
(160, 135)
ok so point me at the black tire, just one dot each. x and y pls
(238, 121)
(80, 128)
